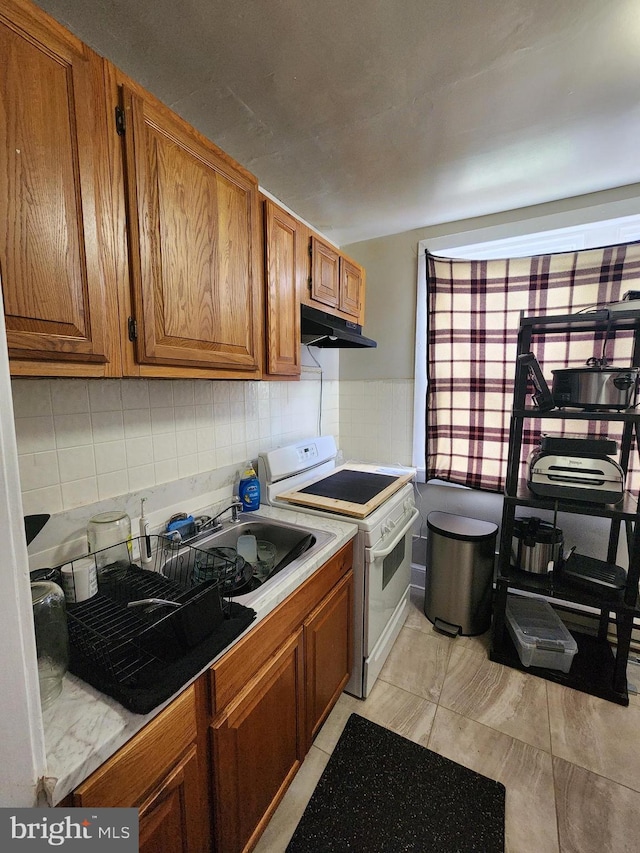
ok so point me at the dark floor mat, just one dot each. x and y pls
(382, 793)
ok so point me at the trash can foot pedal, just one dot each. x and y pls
(447, 627)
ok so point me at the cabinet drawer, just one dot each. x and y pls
(232, 672)
(125, 779)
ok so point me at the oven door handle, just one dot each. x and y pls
(374, 554)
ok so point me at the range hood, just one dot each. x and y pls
(320, 329)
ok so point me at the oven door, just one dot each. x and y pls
(388, 574)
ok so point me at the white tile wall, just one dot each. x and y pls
(82, 441)
(376, 420)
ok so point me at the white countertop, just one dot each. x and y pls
(83, 728)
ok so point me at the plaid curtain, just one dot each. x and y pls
(474, 310)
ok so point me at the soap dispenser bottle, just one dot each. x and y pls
(249, 489)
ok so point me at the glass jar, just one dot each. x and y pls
(109, 538)
(52, 638)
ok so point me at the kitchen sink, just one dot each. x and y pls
(294, 544)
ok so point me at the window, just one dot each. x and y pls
(473, 376)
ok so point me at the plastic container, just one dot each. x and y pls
(247, 548)
(249, 489)
(540, 636)
(79, 580)
(460, 562)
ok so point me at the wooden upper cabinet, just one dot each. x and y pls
(53, 167)
(351, 288)
(337, 282)
(285, 270)
(325, 273)
(194, 245)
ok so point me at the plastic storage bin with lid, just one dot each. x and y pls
(540, 636)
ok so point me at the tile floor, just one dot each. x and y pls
(570, 762)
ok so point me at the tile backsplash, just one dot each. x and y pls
(90, 445)
(376, 420)
(86, 443)
(81, 441)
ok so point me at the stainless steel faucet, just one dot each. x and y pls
(209, 526)
(235, 506)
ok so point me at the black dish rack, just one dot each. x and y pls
(182, 616)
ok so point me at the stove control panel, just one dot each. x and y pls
(308, 454)
(294, 458)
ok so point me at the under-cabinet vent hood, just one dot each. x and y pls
(320, 329)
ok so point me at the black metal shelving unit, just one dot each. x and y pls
(598, 668)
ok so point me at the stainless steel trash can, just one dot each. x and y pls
(459, 581)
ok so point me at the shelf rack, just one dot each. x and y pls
(597, 668)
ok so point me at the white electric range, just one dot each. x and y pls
(380, 500)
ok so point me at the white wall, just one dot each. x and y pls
(22, 751)
(376, 420)
(391, 266)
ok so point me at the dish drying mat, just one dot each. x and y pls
(158, 681)
(142, 655)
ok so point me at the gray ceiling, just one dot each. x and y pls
(372, 117)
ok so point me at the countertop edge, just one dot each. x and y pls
(84, 727)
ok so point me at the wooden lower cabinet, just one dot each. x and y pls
(328, 653)
(165, 817)
(209, 771)
(270, 695)
(257, 749)
(159, 771)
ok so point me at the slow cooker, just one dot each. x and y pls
(595, 387)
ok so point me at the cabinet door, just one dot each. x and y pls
(284, 269)
(257, 749)
(328, 654)
(166, 820)
(325, 273)
(53, 164)
(351, 288)
(194, 245)
(160, 771)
